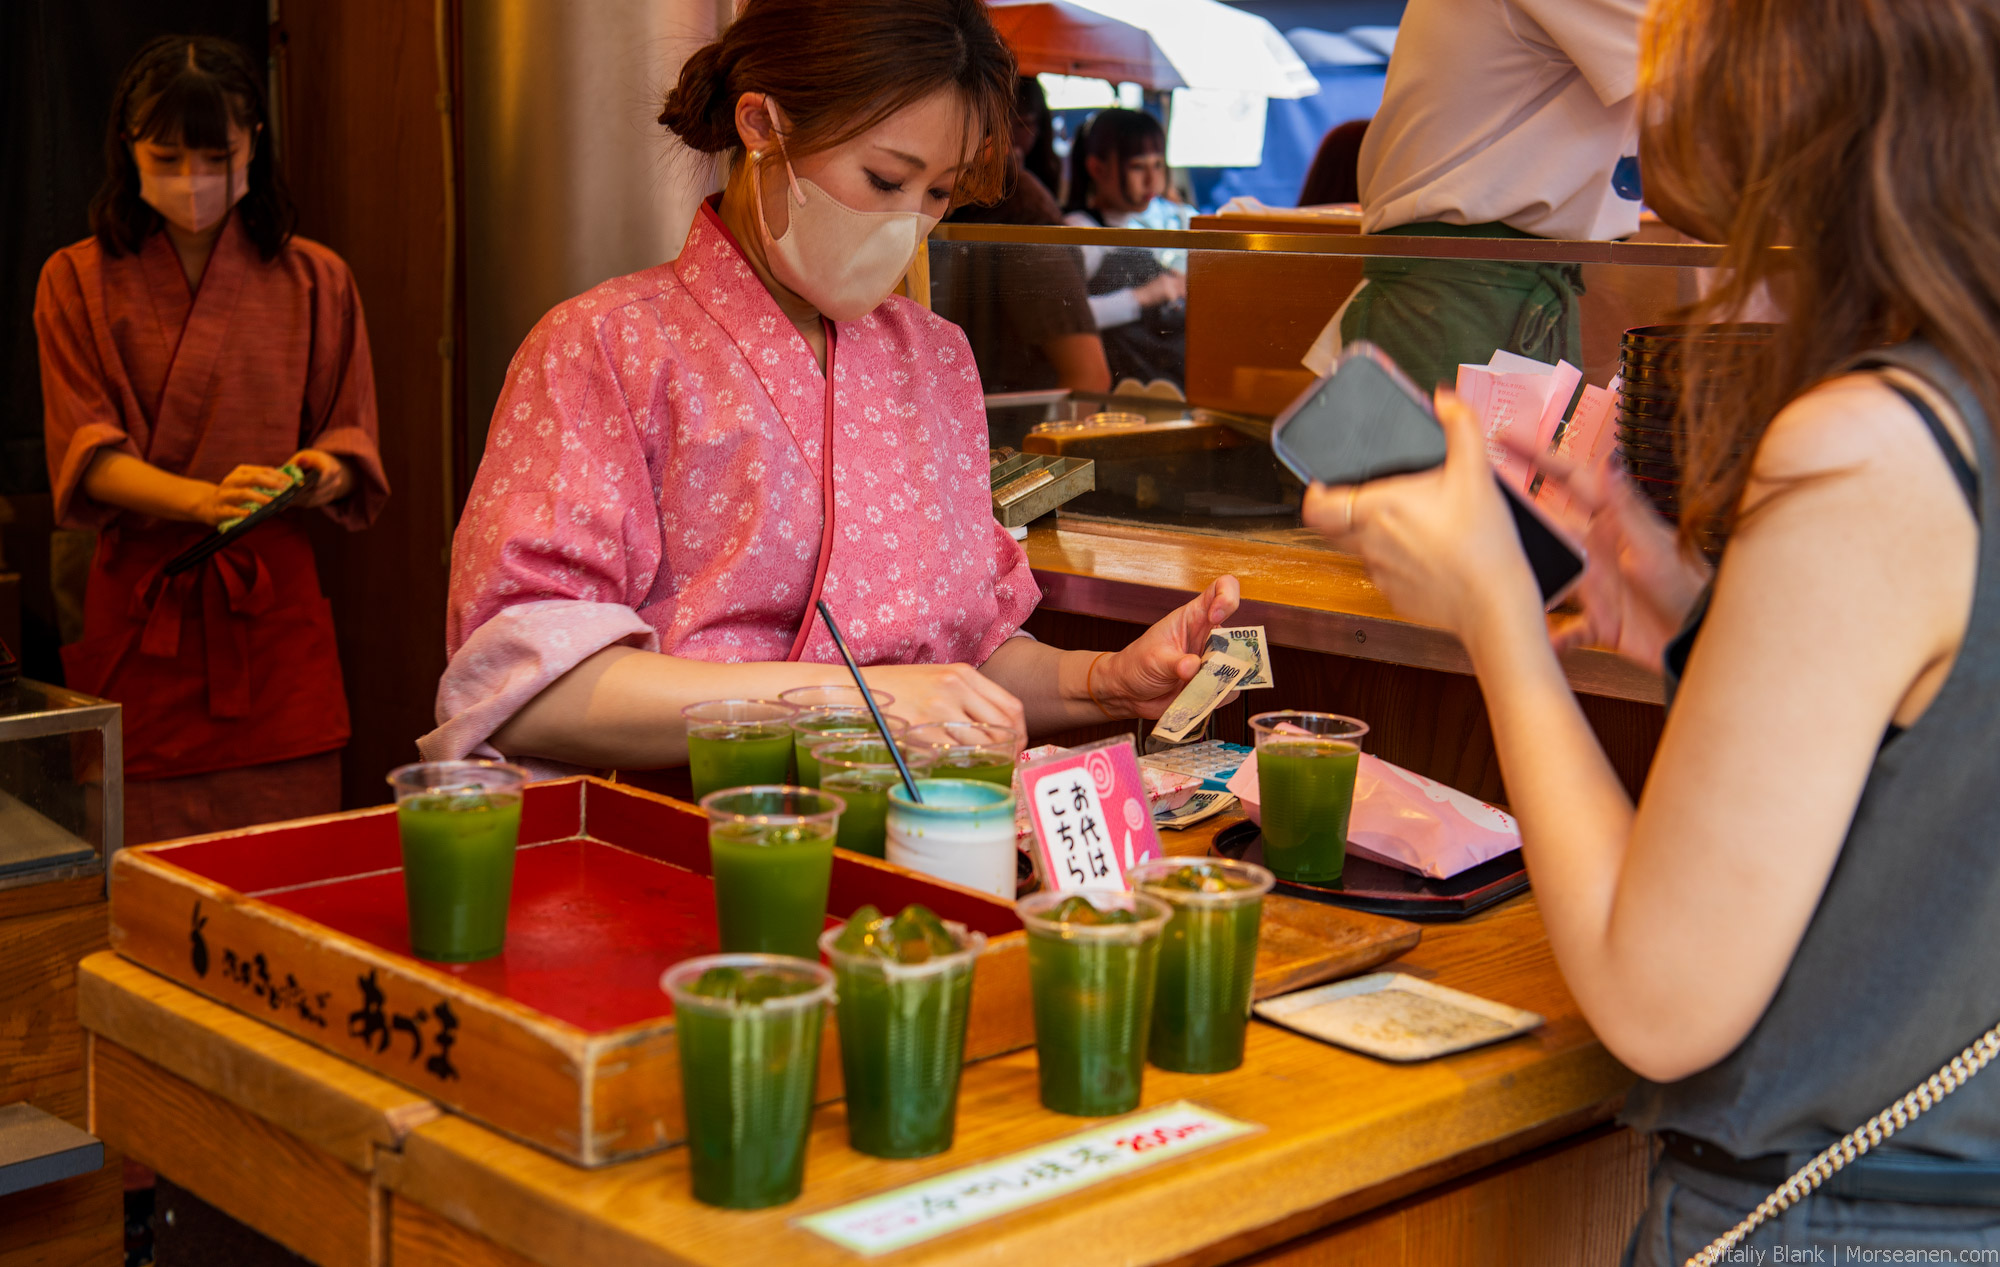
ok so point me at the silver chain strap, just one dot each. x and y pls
(1871, 1133)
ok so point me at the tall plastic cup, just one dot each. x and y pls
(770, 851)
(809, 697)
(1305, 788)
(827, 723)
(1092, 986)
(861, 772)
(902, 1044)
(963, 832)
(969, 750)
(738, 743)
(1208, 959)
(747, 1071)
(460, 822)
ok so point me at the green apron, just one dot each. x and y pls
(1431, 316)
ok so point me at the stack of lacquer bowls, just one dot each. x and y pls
(1653, 362)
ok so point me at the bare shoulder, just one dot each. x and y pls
(1855, 425)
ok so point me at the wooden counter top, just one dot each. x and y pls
(1339, 1133)
(1304, 597)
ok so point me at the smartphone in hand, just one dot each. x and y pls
(1367, 421)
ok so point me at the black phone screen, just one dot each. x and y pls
(1366, 421)
(1556, 564)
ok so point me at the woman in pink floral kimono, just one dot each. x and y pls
(682, 459)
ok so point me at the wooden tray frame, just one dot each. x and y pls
(590, 1098)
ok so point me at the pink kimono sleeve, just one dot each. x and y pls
(340, 389)
(1015, 592)
(560, 543)
(79, 413)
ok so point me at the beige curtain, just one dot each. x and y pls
(568, 178)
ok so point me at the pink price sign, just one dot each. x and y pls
(1088, 810)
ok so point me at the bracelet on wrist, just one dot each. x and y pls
(1089, 690)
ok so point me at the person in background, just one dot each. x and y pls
(1335, 174)
(189, 347)
(685, 460)
(1794, 926)
(1035, 134)
(1500, 119)
(1025, 309)
(1118, 166)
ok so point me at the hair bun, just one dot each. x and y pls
(699, 108)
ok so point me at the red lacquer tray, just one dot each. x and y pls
(565, 1040)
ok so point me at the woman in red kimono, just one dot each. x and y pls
(188, 348)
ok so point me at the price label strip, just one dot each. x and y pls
(930, 1208)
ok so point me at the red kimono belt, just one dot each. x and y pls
(230, 664)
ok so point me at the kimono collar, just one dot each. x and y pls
(197, 327)
(719, 279)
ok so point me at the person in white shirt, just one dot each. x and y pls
(1501, 118)
(1117, 168)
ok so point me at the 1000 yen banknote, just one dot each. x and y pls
(1244, 642)
(1218, 676)
(1200, 807)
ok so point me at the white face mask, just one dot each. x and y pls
(196, 201)
(841, 261)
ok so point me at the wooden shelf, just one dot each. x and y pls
(1313, 599)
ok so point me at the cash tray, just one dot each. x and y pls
(1380, 889)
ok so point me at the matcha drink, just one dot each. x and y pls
(861, 772)
(1091, 965)
(1208, 959)
(969, 750)
(975, 763)
(1306, 763)
(748, 1030)
(738, 743)
(824, 725)
(904, 990)
(770, 852)
(459, 822)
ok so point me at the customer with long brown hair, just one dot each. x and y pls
(1795, 925)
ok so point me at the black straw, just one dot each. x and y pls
(895, 753)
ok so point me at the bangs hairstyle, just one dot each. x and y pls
(1117, 134)
(187, 90)
(838, 69)
(1859, 136)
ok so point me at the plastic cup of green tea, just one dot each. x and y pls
(738, 743)
(969, 750)
(861, 772)
(460, 822)
(748, 1030)
(904, 991)
(805, 698)
(1208, 959)
(1092, 958)
(770, 853)
(1305, 789)
(827, 723)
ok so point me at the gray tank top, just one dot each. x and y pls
(1900, 966)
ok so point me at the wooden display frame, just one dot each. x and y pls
(590, 1095)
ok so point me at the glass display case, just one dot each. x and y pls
(1192, 452)
(61, 784)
